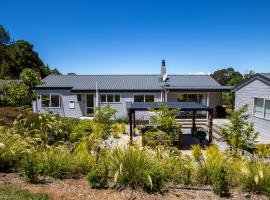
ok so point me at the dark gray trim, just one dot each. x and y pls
(143, 90)
(259, 77)
(49, 88)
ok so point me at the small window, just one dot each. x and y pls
(138, 98)
(109, 98)
(258, 107)
(79, 97)
(149, 98)
(71, 104)
(267, 109)
(45, 100)
(103, 98)
(55, 100)
(117, 98)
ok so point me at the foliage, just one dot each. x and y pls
(82, 129)
(18, 194)
(164, 117)
(263, 150)
(104, 116)
(239, 134)
(136, 167)
(256, 177)
(13, 147)
(30, 166)
(155, 137)
(227, 75)
(9, 114)
(118, 129)
(220, 182)
(98, 176)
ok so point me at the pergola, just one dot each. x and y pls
(183, 106)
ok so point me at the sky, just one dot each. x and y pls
(133, 36)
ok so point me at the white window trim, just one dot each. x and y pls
(60, 97)
(113, 98)
(135, 94)
(253, 107)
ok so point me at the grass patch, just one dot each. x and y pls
(18, 194)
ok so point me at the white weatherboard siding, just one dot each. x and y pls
(246, 95)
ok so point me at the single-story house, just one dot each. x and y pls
(77, 95)
(256, 94)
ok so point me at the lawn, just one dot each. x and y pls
(18, 194)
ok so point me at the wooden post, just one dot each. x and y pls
(130, 127)
(193, 129)
(134, 120)
(210, 124)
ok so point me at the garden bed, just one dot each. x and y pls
(70, 189)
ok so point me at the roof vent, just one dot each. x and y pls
(163, 70)
(71, 74)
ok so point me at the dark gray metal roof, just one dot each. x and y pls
(131, 82)
(171, 105)
(264, 77)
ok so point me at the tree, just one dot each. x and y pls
(4, 36)
(224, 76)
(239, 134)
(21, 92)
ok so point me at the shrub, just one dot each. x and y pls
(263, 150)
(31, 168)
(57, 162)
(256, 177)
(155, 137)
(105, 116)
(98, 176)
(82, 129)
(118, 129)
(220, 182)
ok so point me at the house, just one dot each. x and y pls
(77, 95)
(256, 94)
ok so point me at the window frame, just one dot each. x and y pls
(143, 94)
(113, 94)
(264, 108)
(50, 99)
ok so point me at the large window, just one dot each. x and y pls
(110, 98)
(144, 98)
(199, 98)
(261, 107)
(51, 100)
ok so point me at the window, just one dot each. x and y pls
(258, 107)
(110, 98)
(267, 109)
(79, 97)
(144, 98)
(50, 100)
(199, 98)
(45, 100)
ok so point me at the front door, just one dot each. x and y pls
(89, 104)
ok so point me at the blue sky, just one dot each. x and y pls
(132, 36)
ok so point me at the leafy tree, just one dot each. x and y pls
(224, 76)
(30, 78)
(4, 36)
(239, 134)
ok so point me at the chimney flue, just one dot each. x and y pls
(163, 70)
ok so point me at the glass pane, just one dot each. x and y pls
(149, 98)
(258, 107)
(117, 98)
(55, 101)
(109, 98)
(79, 97)
(138, 98)
(202, 98)
(192, 97)
(45, 100)
(103, 98)
(181, 97)
(90, 100)
(267, 109)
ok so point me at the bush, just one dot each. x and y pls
(105, 116)
(220, 182)
(118, 129)
(155, 137)
(256, 177)
(98, 176)
(82, 129)
(31, 167)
